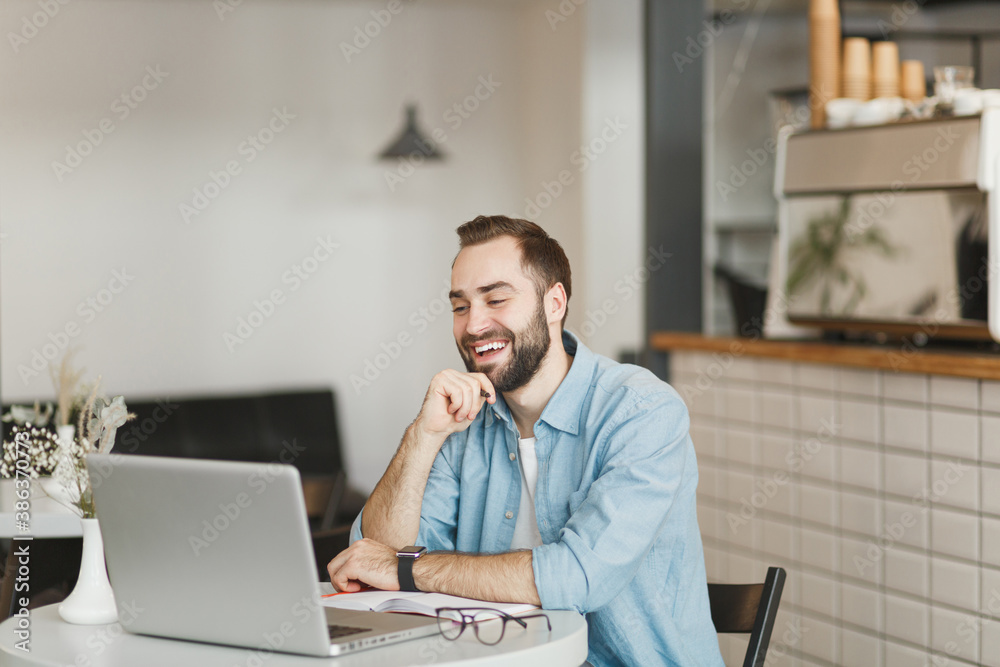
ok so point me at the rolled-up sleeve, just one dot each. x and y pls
(645, 458)
(439, 507)
(439, 510)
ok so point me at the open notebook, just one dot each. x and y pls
(411, 603)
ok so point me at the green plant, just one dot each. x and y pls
(819, 256)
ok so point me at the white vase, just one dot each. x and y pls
(92, 601)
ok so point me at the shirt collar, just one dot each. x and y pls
(564, 409)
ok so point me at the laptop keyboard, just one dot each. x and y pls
(337, 631)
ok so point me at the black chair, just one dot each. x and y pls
(326, 545)
(741, 608)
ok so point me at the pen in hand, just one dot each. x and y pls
(484, 393)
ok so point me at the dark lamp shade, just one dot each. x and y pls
(411, 141)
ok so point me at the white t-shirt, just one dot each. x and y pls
(526, 533)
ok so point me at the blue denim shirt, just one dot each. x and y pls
(614, 503)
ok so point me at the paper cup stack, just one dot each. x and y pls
(885, 69)
(824, 57)
(913, 81)
(857, 82)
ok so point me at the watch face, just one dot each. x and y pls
(411, 552)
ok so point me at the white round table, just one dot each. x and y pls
(54, 642)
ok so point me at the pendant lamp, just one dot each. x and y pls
(411, 141)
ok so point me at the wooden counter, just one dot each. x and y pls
(901, 357)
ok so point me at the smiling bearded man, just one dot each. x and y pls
(526, 351)
(546, 474)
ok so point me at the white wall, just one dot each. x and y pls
(613, 175)
(119, 209)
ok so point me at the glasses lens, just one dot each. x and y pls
(489, 628)
(448, 626)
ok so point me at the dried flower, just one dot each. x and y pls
(65, 460)
(65, 379)
(42, 451)
(112, 416)
(22, 414)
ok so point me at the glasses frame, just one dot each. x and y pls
(469, 619)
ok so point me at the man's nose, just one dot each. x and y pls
(479, 321)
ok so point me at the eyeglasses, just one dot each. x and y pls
(488, 624)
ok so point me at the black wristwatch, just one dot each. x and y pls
(407, 556)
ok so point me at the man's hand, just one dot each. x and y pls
(365, 562)
(392, 513)
(452, 402)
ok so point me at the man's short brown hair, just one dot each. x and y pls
(542, 258)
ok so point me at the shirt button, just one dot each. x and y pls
(509, 515)
(513, 457)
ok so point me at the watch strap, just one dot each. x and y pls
(405, 574)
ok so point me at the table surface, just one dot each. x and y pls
(54, 642)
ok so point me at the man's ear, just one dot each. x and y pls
(555, 303)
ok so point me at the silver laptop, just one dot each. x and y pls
(220, 552)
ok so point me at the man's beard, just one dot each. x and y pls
(527, 349)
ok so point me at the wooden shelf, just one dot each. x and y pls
(899, 358)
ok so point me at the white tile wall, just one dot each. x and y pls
(955, 484)
(781, 541)
(905, 475)
(816, 377)
(859, 559)
(955, 392)
(859, 466)
(907, 571)
(954, 433)
(786, 500)
(861, 606)
(819, 550)
(990, 396)
(777, 372)
(743, 368)
(905, 426)
(908, 387)
(775, 450)
(860, 649)
(815, 412)
(889, 528)
(821, 639)
(991, 438)
(740, 487)
(990, 601)
(740, 445)
(860, 513)
(818, 504)
(991, 489)
(817, 457)
(954, 634)
(737, 405)
(991, 539)
(819, 594)
(776, 409)
(860, 420)
(859, 382)
(955, 534)
(990, 639)
(955, 583)
(910, 521)
(897, 655)
(907, 619)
